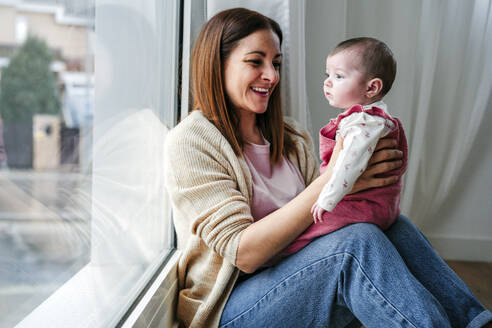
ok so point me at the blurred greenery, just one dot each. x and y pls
(27, 85)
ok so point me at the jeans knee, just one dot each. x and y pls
(403, 218)
(363, 236)
(404, 221)
(361, 231)
(357, 240)
(404, 230)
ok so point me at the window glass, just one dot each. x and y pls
(87, 95)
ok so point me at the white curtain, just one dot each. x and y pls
(290, 15)
(453, 88)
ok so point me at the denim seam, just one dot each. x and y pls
(278, 285)
(378, 291)
(307, 267)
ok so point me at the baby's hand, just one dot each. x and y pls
(317, 213)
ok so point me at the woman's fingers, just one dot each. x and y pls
(384, 159)
(381, 167)
(385, 155)
(369, 182)
(385, 151)
(386, 143)
(381, 182)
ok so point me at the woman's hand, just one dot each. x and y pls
(384, 159)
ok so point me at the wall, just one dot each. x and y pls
(318, 44)
(71, 40)
(7, 32)
(463, 229)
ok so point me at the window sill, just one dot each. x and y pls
(157, 306)
(100, 295)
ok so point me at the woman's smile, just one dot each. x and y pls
(262, 92)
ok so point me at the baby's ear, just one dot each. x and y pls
(374, 87)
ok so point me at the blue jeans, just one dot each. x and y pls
(384, 279)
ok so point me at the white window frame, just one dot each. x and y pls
(157, 305)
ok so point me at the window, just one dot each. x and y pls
(85, 220)
(20, 29)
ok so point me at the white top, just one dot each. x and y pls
(361, 132)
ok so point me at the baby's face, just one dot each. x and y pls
(345, 83)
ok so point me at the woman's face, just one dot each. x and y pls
(252, 71)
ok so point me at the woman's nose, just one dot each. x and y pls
(270, 74)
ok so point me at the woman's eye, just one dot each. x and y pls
(276, 65)
(254, 61)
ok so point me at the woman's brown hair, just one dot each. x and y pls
(217, 39)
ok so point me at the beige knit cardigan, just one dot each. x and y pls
(211, 190)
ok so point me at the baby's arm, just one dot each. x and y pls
(361, 133)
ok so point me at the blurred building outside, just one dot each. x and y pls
(64, 25)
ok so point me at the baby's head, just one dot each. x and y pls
(359, 71)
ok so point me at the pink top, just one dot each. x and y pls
(273, 186)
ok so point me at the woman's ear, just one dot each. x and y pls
(374, 87)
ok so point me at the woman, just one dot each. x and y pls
(242, 182)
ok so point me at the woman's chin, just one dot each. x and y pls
(260, 109)
(255, 109)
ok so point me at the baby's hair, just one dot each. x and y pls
(375, 57)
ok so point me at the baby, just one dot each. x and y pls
(359, 73)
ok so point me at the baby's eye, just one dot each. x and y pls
(327, 75)
(339, 76)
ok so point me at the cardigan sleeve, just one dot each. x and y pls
(205, 189)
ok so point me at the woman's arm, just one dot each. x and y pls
(265, 238)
